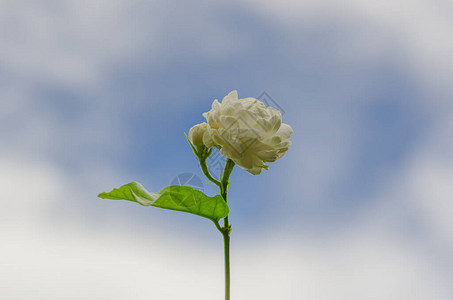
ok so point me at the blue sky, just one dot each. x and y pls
(95, 94)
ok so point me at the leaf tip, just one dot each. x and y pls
(102, 195)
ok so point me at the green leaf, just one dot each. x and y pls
(174, 197)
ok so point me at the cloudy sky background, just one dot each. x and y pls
(95, 94)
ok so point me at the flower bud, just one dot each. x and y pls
(196, 134)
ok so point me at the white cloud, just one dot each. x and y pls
(77, 44)
(71, 43)
(416, 34)
(46, 258)
(427, 183)
(361, 265)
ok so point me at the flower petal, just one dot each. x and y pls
(285, 131)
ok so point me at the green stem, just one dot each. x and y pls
(226, 229)
(206, 173)
(226, 242)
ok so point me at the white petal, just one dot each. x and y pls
(284, 131)
(268, 155)
(207, 140)
(231, 97)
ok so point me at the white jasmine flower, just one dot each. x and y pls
(246, 131)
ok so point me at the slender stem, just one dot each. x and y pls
(208, 175)
(216, 223)
(226, 242)
(229, 165)
(226, 229)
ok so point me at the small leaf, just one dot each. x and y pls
(174, 197)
